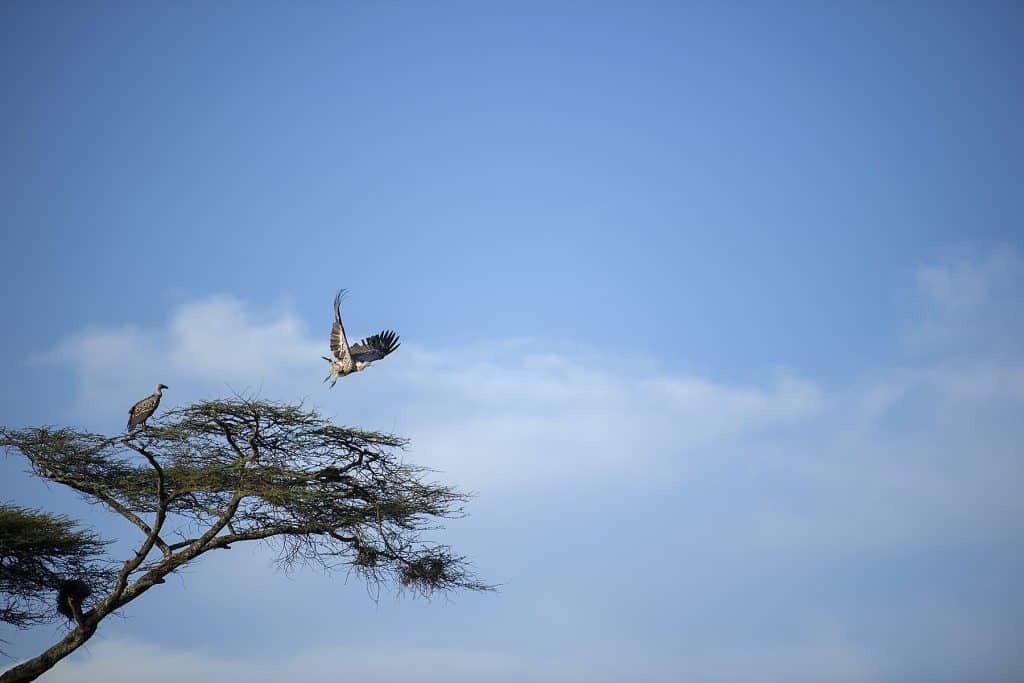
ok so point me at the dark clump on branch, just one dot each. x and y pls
(426, 572)
(70, 597)
(330, 474)
(433, 570)
(366, 556)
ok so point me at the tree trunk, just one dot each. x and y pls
(34, 668)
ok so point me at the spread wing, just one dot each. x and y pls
(339, 343)
(375, 347)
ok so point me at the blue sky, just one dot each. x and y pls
(716, 307)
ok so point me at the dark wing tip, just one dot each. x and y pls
(388, 341)
(338, 298)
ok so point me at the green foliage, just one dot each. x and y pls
(319, 493)
(38, 553)
(214, 474)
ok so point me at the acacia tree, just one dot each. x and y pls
(216, 473)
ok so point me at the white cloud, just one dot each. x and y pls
(220, 339)
(971, 304)
(214, 345)
(524, 410)
(963, 284)
(516, 416)
(876, 463)
(114, 661)
(789, 469)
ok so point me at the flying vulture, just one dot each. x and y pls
(349, 359)
(145, 408)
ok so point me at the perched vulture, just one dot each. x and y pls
(330, 474)
(145, 408)
(349, 359)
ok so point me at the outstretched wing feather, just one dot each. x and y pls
(375, 347)
(339, 343)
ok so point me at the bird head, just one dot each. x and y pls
(161, 387)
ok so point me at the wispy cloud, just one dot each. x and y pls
(129, 661)
(213, 345)
(784, 469)
(971, 304)
(550, 410)
(964, 284)
(505, 415)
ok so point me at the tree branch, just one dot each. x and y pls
(33, 668)
(112, 503)
(229, 437)
(224, 520)
(132, 564)
(161, 494)
(152, 537)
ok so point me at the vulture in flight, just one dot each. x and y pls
(144, 409)
(348, 359)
